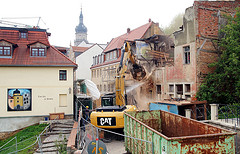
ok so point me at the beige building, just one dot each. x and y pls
(36, 79)
(105, 64)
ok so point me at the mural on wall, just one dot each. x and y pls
(19, 99)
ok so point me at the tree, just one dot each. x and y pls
(176, 22)
(223, 86)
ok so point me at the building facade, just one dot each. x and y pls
(195, 48)
(105, 64)
(36, 79)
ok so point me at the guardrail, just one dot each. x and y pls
(17, 147)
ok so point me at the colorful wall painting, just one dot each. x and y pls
(19, 100)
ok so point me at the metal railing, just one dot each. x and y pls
(95, 136)
(229, 113)
(18, 146)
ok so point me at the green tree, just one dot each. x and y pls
(176, 22)
(223, 86)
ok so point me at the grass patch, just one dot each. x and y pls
(25, 137)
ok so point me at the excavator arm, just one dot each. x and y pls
(137, 71)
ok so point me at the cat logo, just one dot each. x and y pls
(106, 121)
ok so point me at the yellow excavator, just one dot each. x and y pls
(113, 106)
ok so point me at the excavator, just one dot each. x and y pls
(113, 106)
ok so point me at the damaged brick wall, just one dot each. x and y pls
(207, 16)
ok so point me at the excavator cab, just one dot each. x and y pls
(108, 99)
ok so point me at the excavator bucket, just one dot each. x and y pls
(138, 72)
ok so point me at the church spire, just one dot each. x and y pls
(81, 16)
(81, 31)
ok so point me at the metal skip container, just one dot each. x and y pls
(161, 132)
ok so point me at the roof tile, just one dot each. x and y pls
(21, 54)
(131, 36)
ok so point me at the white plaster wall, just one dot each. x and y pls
(45, 85)
(85, 61)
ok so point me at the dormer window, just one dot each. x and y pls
(5, 51)
(23, 35)
(38, 52)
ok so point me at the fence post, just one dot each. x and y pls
(16, 144)
(214, 111)
(40, 144)
(97, 142)
(188, 113)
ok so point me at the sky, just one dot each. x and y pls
(104, 19)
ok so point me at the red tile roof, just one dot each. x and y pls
(21, 54)
(79, 49)
(118, 42)
(137, 33)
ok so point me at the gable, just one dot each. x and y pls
(22, 53)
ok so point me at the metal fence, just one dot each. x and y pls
(90, 132)
(229, 113)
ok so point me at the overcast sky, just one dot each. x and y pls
(105, 19)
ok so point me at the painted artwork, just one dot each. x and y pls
(19, 99)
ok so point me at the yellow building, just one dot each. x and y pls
(18, 99)
(36, 79)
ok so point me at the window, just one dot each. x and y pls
(159, 91)
(38, 52)
(23, 35)
(5, 51)
(187, 88)
(179, 89)
(102, 58)
(171, 88)
(114, 54)
(186, 55)
(93, 61)
(62, 74)
(99, 59)
(111, 53)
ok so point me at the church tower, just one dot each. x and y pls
(80, 31)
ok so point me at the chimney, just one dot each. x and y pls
(128, 30)
(149, 20)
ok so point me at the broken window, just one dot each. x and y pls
(179, 89)
(171, 88)
(186, 56)
(188, 97)
(159, 89)
(187, 88)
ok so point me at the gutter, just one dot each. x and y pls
(38, 65)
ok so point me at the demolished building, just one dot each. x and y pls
(176, 67)
(195, 48)
(177, 73)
